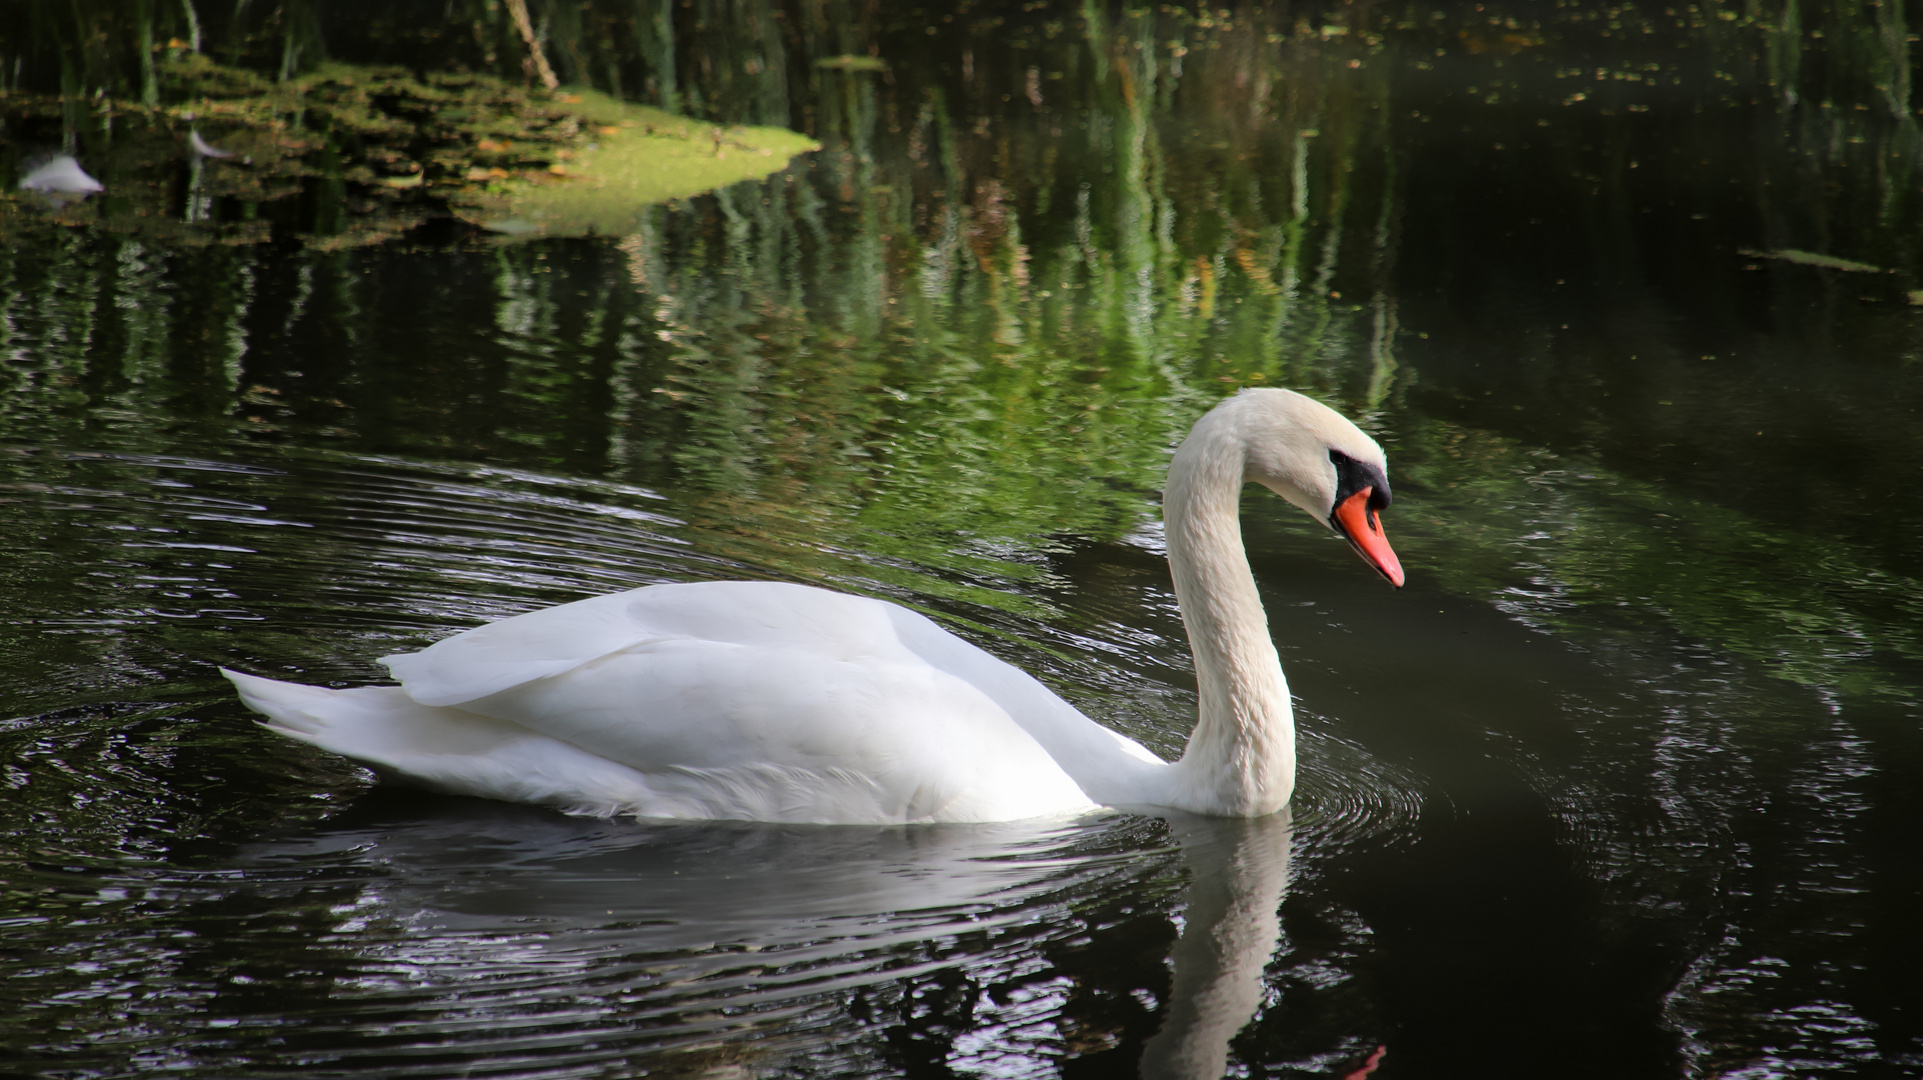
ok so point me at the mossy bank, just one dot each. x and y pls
(348, 155)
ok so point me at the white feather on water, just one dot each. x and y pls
(60, 175)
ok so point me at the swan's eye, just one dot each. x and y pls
(1352, 476)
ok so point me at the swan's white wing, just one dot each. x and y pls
(650, 732)
(540, 644)
(489, 659)
(779, 634)
(727, 681)
(797, 618)
(884, 740)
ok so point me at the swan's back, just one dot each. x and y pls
(740, 700)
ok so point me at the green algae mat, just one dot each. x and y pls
(346, 156)
(633, 158)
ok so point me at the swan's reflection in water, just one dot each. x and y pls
(482, 931)
(1238, 871)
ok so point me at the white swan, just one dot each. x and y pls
(773, 702)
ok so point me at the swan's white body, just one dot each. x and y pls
(772, 702)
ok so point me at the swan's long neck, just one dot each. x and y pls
(1240, 759)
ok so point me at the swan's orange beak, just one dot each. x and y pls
(1363, 527)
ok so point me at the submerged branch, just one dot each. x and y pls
(518, 9)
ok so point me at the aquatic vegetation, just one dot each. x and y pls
(346, 155)
(626, 159)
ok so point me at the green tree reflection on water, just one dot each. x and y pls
(1030, 253)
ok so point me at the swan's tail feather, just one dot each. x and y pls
(378, 725)
(446, 749)
(291, 707)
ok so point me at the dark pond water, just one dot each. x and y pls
(1628, 781)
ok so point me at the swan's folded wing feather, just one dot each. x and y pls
(500, 655)
(792, 735)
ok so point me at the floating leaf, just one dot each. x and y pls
(1810, 258)
(848, 62)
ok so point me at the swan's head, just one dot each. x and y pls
(1314, 457)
